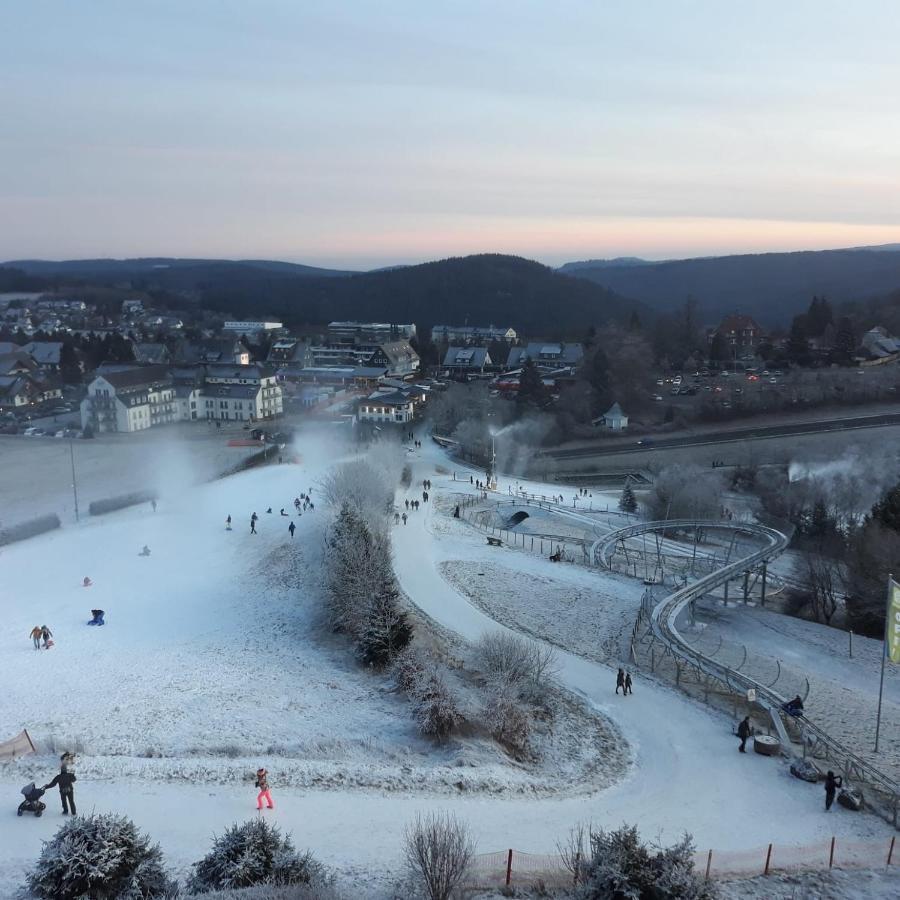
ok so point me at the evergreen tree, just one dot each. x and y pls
(844, 340)
(628, 502)
(101, 856)
(798, 343)
(69, 368)
(718, 349)
(887, 510)
(253, 853)
(532, 391)
(634, 321)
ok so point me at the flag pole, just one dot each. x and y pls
(884, 652)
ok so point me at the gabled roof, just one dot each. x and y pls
(468, 357)
(736, 323)
(568, 354)
(614, 412)
(44, 353)
(136, 378)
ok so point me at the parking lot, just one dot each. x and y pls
(776, 389)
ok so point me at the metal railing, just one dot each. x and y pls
(663, 622)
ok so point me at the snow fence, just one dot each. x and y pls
(517, 869)
(111, 504)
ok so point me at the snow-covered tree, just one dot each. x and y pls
(620, 865)
(250, 854)
(101, 856)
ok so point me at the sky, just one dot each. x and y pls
(365, 134)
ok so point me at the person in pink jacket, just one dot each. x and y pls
(262, 782)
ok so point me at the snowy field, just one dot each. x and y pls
(212, 663)
(166, 459)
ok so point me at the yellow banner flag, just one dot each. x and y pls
(892, 632)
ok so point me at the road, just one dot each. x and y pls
(732, 435)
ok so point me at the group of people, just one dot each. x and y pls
(623, 681)
(42, 633)
(302, 504)
(412, 505)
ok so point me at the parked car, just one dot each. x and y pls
(656, 397)
(30, 431)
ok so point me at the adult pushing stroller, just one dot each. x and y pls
(32, 802)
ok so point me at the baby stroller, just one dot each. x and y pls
(32, 802)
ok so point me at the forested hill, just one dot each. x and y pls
(771, 287)
(485, 289)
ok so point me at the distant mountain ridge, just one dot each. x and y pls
(771, 287)
(87, 268)
(481, 289)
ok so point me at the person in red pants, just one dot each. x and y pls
(262, 782)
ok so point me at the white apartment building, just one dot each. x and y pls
(139, 398)
(394, 407)
(130, 400)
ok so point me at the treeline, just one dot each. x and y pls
(844, 556)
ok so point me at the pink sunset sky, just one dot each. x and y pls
(366, 134)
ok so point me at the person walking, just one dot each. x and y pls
(228, 523)
(407, 505)
(65, 781)
(153, 504)
(832, 783)
(743, 731)
(262, 782)
(253, 524)
(36, 636)
(292, 528)
(620, 681)
(628, 689)
(46, 634)
(404, 517)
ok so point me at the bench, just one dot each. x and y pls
(495, 542)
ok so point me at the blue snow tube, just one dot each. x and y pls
(97, 620)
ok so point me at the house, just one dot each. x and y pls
(46, 354)
(613, 419)
(368, 332)
(740, 333)
(472, 334)
(290, 351)
(15, 391)
(152, 353)
(129, 400)
(878, 343)
(241, 393)
(397, 358)
(392, 407)
(467, 360)
(17, 363)
(223, 350)
(546, 355)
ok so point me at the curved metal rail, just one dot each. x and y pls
(663, 620)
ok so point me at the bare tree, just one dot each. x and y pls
(574, 849)
(685, 492)
(824, 576)
(439, 851)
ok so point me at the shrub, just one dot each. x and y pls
(410, 666)
(101, 856)
(510, 724)
(251, 854)
(439, 850)
(511, 661)
(278, 892)
(621, 866)
(437, 711)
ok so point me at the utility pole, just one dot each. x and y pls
(74, 482)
